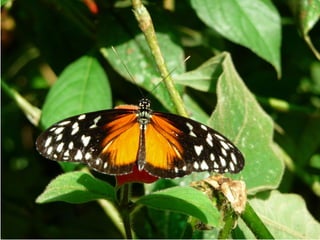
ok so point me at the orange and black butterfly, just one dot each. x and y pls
(163, 144)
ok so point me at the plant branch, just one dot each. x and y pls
(255, 224)
(125, 208)
(284, 106)
(145, 23)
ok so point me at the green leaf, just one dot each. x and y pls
(195, 109)
(253, 24)
(242, 120)
(184, 200)
(159, 224)
(205, 77)
(285, 215)
(307, 13)
(82, 87)
(76, 187)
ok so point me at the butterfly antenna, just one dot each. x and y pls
(127, 69)
(185, 60)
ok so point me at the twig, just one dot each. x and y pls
(145, 23)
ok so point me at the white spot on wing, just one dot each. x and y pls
(204, 165)
(63, 123)
(87, 156)
(85, 140)
(219, 136)
(59, 130)
(95, 121)
(52, 129)
(98, 161)
(48, 141)
(66, 155)
(204, 127)
(105, 165)
(231, 166)
(59, 137)
(198, 149)
(233, 158)
(78, 155)
(191, 133)
(49, 150)
(215, 165)
(71, 145)
(81, 117)
(223, 162)
(224, 145)
(196, 165)
(75, 128)
(209, 140)
(60, 147)
(224, 152)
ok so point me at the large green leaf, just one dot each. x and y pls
(76, 187)
(253, 24)
(82, 87)
(185, 200)
(285, 215)
(240, 117)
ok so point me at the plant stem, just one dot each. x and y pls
(255, 224)
(125, 209)
(112, 212)
(145, 23)
(229, 222)
(284, 106)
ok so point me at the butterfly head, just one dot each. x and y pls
(144, 104)
(144, 112)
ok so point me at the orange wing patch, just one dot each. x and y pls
(163, 150)
(120, 146)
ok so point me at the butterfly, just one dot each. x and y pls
(116, 141)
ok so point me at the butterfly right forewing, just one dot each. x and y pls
(196, 147)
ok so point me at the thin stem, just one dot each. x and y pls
(125, 209)
(112, 212)
(145, 23)
(229, 222)
(255, 224)
(284, 106)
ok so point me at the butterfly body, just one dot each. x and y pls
(115, 141)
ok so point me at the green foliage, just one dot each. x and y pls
(275, 122)
(178, 199)
(76, 187)
(283, 215)
(80, 81)
(250, 128)
(237, 21)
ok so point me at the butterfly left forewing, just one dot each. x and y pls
(90, 138)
